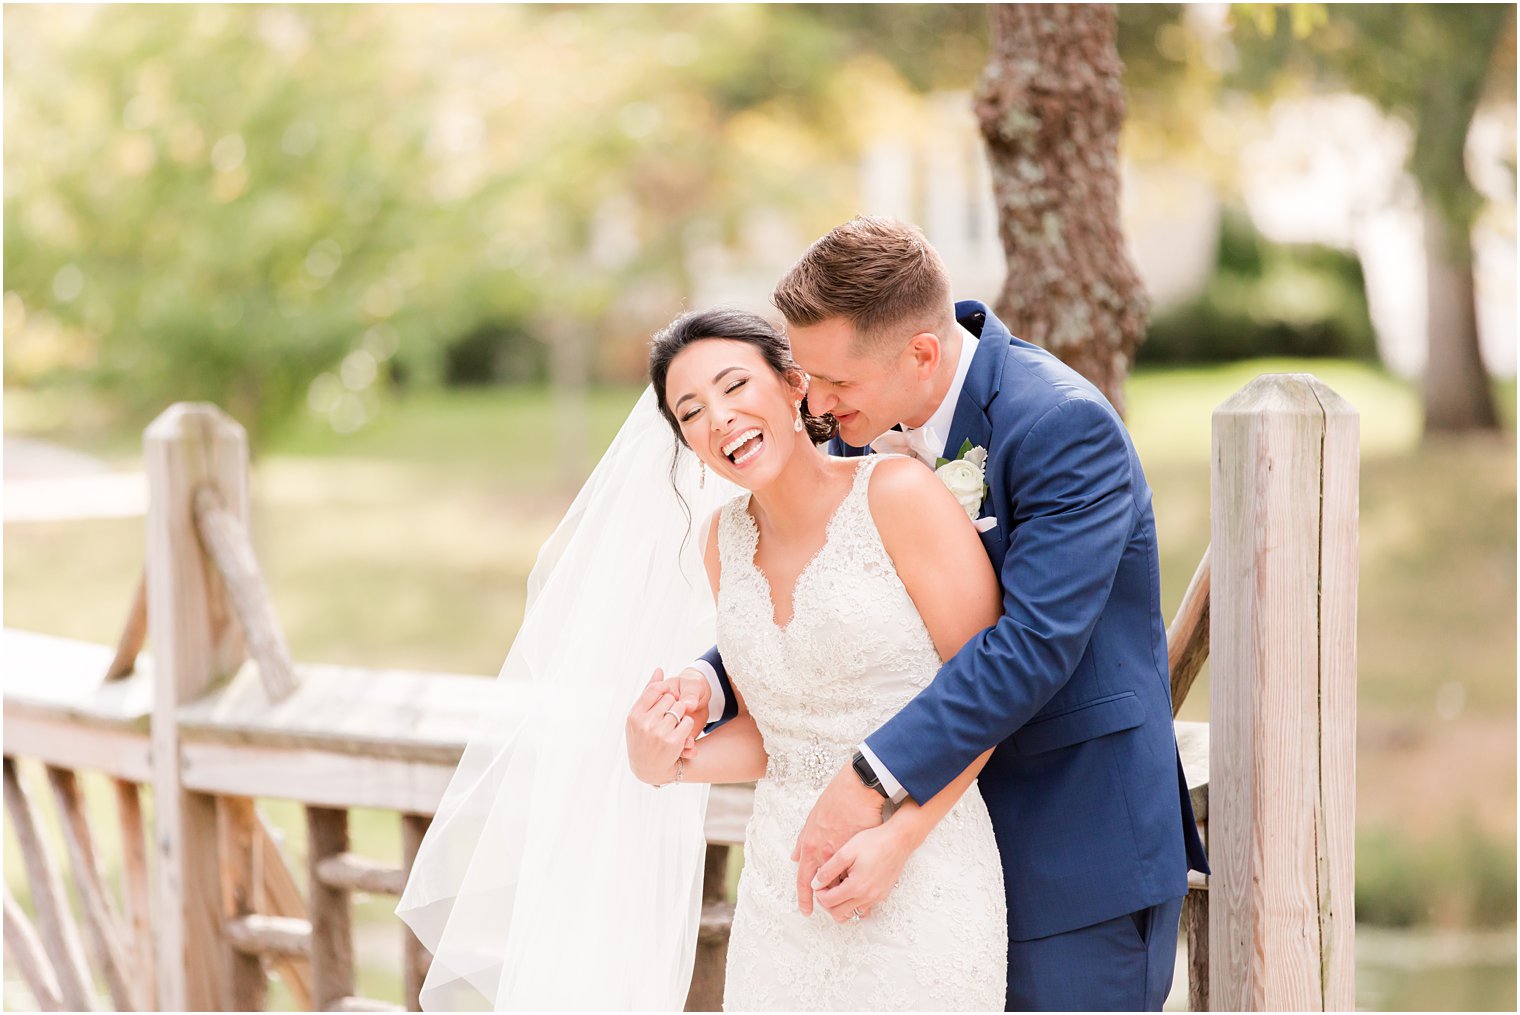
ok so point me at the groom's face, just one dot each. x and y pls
(868, 391)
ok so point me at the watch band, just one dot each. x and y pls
(867, 774)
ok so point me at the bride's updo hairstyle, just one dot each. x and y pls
(734, 326)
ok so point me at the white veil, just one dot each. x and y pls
(551, 878)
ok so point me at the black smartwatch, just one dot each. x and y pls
(868, 774)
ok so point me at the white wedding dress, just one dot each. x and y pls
(855, 652)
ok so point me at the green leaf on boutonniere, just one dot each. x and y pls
(940, 463)
(965, 448)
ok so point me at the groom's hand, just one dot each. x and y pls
(847, 806)
(691, 689)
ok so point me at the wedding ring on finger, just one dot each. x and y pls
(673, 712)
(855, 915)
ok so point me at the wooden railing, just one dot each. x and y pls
(219, 716)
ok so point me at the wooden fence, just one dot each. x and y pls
(219, 716)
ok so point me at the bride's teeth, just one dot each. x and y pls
(752, 452)
(740, 441)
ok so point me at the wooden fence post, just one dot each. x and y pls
(1283, 698)
(195, 643)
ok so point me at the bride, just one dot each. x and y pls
(552, 879)
(833, 612)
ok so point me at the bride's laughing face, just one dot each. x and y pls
(733, 409)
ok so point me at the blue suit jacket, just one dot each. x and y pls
(1085, 787)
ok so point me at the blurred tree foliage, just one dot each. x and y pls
(1430, 65)
(1268, 299)
(265, 206)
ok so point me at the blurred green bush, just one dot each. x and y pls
(1267, 299)
(1464, 876)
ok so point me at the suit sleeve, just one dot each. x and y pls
(1073, 513)
(730, 701)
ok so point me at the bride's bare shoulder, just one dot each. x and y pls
(708, 538)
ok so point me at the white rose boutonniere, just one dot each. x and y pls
(965, 477)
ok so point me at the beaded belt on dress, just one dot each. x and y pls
(813, 762)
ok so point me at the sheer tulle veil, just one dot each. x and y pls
(551, 878)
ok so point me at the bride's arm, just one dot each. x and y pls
(734, 752)
(956, 591)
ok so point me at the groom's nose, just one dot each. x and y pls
(820, 401)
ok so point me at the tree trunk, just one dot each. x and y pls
(1051, 105)
(1457, 392)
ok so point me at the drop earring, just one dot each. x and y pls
(702, 480)
(797, 422)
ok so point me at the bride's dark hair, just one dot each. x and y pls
(734, 326)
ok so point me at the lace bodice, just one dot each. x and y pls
(854, 653)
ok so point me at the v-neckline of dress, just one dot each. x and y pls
(828, 532)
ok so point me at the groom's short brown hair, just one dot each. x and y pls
(878, 273)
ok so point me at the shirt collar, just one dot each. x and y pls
(944, 416)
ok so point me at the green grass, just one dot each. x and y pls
(408, 544)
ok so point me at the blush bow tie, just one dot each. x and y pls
(922, 443)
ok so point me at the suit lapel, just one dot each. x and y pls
(982, 380)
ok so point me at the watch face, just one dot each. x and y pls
(863, 769)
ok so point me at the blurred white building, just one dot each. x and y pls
(1325, 170)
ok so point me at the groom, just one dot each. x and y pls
(1085, 787)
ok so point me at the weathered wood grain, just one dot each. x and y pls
(1187, 639)
(195, 643)
(133, 634)
(1272, 942)
(225, 537)
(281, 898)
(138, 890)
(257, 934)
(24, 948)
(350, 872)
(55, 926)
(332, 935)
(236, 825)
(1339, 526)
(415, 957)
(103, 930)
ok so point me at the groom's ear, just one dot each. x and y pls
(924, 347)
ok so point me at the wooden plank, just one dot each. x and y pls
(1193, 748)
(1195, 920)
(235, 827)
(1187, 639)
(332, 933)
(350, 872)
(134, 872)
(195, 643)
(1266, 945)
(402, 714)
(65, 742)
(280, 896)
(103, 931)
(728, 810)
(68, 676)
(256, 934)
(60, 938)
(1339, 514)
(361, 1004)
(225, 537)
(25, 951)
(706, 992)
(321, 778)
(133, 634)
(415, 957)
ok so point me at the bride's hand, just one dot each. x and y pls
(864, 871)
(657, 732)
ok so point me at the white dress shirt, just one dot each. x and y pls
(928, 446)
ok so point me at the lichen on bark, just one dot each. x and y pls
(1051, 105)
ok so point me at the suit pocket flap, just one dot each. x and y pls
(1085, 722)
